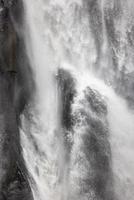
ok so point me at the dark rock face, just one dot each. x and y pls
(67, 87)
(92, 116)
(67, 92)
(97, 147)
(15, 88)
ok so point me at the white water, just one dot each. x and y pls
(57, 34)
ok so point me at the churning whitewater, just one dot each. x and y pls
(77, 132)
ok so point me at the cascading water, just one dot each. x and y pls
(77, 134)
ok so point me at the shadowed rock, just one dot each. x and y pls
(67, 87)
(67, 91)
(91, 118)
(15, 88)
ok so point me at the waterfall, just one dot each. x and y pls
(77, 131)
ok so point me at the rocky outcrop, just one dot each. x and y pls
(91, 119)
(87, 118)
(15, 88)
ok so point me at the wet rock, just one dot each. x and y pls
(67, 87)
(91, 119)
(15, 89)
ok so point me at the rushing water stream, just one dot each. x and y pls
(77, 133)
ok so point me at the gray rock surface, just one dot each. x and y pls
(15, 88)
